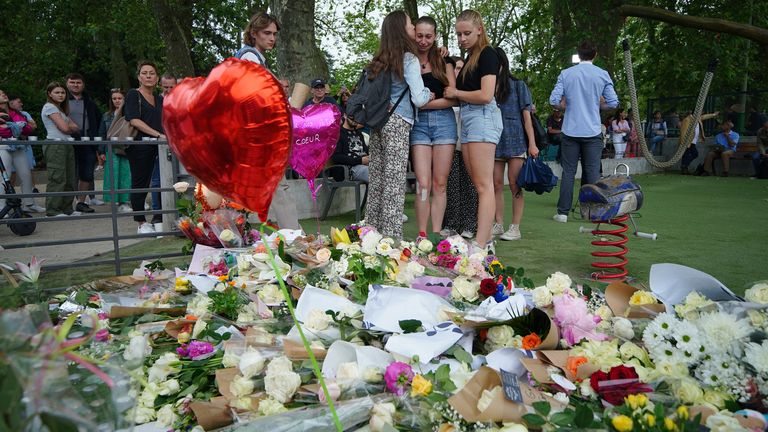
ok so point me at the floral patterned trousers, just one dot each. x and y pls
(388, 168)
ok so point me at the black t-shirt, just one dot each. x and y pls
(488, 64)
(350, 148)
(433, 84)
(136, 107)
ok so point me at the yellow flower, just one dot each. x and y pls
(339, 236)
(650, 419)
(622, 423)
(682, 412)
(641, 297)
(183, 337)
(669, 424)
(182, 285)
(420, 386)
(636, 401)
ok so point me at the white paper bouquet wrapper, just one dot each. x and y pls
(351, 413)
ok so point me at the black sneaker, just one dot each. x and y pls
(83, 208)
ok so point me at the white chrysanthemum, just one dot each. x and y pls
(658, 331)
(688, 341)
(757, 356)
(199, 305)
(723, 330)
(723, 371)
(558, 282)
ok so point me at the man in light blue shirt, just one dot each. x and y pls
(581, 91)
(726, 143)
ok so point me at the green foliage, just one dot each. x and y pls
(410, 325)
(227, 303)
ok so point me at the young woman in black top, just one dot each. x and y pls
(433, 137)
(481, 124)
(143, 108)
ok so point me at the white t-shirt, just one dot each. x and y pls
(50, 127)
(696, 135)
(252, 57)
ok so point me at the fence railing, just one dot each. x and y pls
(169, 173)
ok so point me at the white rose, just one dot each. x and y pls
(542, 296)
(199, 305)
(169, 387)
(724, 422)
(487, 397)
(369, 242)
(758, 293)
(622, 328)
(143, 414)
(501, 336)
(270, 406)
(243, 262)
(338, 290)
(149, 394)
(261, 337)
(561, 397)
(558, 282)
(688, 391)
(384, 249)
(164, 366)
(348, 371)
(180, 187)
(243, 403)
(604, 312)
(460, 375)
(230, 359)
(270, 294)
(166, 416)
(227, 235)
(373, 375)
(200, 325)
(513, 427)
(425, 246)
(381, 414)
(138, 348)
(279, 365)
(586, 390)
(466, 289)
(317, 320)
(241, 386)
(323, 255)
(281, 386)
(757, 318)
(251, 363)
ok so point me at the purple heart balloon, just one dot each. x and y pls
(315, 133)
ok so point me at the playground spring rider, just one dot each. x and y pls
(13, 207)
(611, 200)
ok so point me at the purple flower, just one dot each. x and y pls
(444, 246)
(199, 348)
(102, 335)
(397, 377)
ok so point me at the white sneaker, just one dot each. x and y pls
(498, 229)
(560, 218)
(147, 207)
(95, 202)
(124, 208)
(489, 248)
(513, 233)
(145, 228)
(467, 234)
(34, 208)
(445, 232)
(405, 218)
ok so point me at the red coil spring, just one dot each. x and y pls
(611, 270)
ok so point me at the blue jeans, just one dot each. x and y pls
(756, 157)
(589, 150)
(655, 140)
(156, 199)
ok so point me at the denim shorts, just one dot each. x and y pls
(435, 127)
(481, 123)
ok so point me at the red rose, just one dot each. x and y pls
(488, 287)
(595, 379)
(620, 382)
(407, 252)
(622, 372)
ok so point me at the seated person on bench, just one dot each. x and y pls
(352, 151)
(726, 143)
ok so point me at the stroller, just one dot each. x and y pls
(13, 208)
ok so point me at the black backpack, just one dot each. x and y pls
(539, 131)
(368, 104)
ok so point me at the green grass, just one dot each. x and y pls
(717, 225)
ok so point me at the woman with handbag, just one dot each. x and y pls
(60, 157)
(120, 169)
(481, 124)
(143, 109)
(433, 137)
(13, 124)
(516, 143)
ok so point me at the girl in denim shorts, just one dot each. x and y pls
(433, 136)
(480, 117)
(516, 141)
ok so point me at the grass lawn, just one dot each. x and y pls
(717, 225)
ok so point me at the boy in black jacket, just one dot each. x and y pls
(352, 151)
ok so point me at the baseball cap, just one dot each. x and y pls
(317, 82)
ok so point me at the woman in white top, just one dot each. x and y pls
(619, 132)
(59, 158)
(259, 37)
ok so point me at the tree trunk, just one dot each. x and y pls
(412, 9)
(299, 58)
(120, 70)
(174, 23)
(757, 34)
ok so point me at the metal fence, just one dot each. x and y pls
(745, 104)
(169, 174)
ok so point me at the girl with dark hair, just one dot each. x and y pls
(480, 117)
(120, 168)
(144, 110)
(433, 137)
(389, 146)
(514, 100)
(60, 158)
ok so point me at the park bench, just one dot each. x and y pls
(335, 177)
(747, 146)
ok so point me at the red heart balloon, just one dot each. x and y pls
(232, 130)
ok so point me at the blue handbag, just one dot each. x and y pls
(536, 176)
